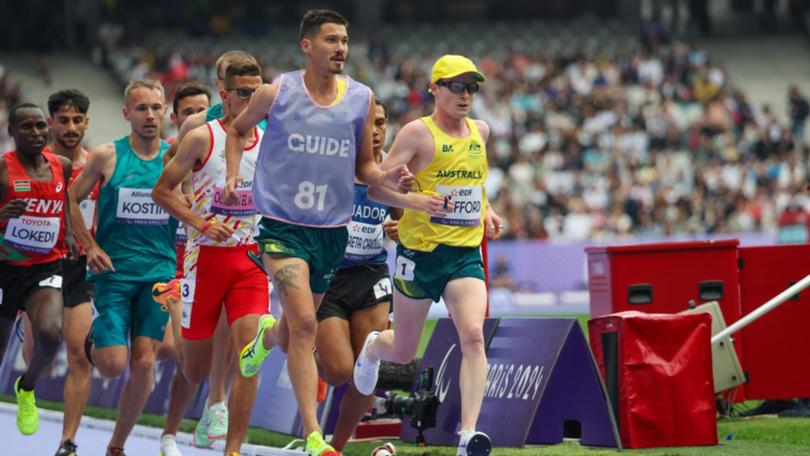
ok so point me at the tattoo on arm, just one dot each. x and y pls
(285, 278)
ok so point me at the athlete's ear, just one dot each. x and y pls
(50, 122)
(306, 45)
(173, 118)
(125, 111)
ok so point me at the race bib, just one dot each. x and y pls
(187, 288)
(467, 205)
(365, 241)
(54, 281)
(88, 210)
(32, 234)
(243, 207)
(382, 288)
(136, 207)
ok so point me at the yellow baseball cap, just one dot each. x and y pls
(449, 66)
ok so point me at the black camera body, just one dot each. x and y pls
(421, 405)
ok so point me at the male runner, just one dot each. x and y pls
(319, 137)
(35, 227)
(190, 98)
(440, 256)
(359, 299)
(133, 248)
(213, 423)
(68, 122)
(219, 234)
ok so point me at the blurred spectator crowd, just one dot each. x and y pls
(595, 135)
(10, 95)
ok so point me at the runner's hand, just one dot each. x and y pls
(493, 224)
(72, 247)
(229, 192)
(216, 231)
(15, 208)
(435, 205)
(391, 229)
(98, 261)
(399, 179)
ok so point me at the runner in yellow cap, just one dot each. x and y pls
(439, 256)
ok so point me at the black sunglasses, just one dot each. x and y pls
(458, 87)
(242, 92)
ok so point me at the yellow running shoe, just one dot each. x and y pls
(27, 413)
(166, 294)
(253, 354)
(317, 447)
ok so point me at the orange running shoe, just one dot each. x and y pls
(166, 293)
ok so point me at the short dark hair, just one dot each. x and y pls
(241, 67)
(378, 101)
(68, 98)
(189, 89)
(313, 19)
(12, 115)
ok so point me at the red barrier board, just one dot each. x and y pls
(774, 344)
(658, 373)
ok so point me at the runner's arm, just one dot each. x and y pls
(193, 121)
(493, 223)
(257, 109)
(405, 151)
(193, 150)
(397, 178)
(13, 208)
(70, 241)
(102, 158)
(435, 204)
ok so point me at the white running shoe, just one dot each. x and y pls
(472, 443)
(366, 371)
(168, 446)
(217, 421)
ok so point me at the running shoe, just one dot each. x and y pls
(166, 293)
(472, 443)
(68, 448)
(253, 354)
(115, 451)
(27, 413)
(168, 445)
(217, 421)
(201, 431)
(317, 447)
(366, 371)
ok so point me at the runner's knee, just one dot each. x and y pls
(165, 352)
(76, 358)
(472, 340)
(111, 367)
(304, 327)
(141, 365)
(336, 374)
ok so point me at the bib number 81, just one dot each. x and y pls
(309, 195)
